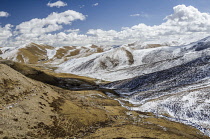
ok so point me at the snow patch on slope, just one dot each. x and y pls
(51, 53)
(9, 53)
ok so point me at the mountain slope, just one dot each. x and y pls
(39, 53)
(125, 62)
(68, 81)
(181, 92)
(171, 82)
(32, 53)
(109, 63)
(32, 109)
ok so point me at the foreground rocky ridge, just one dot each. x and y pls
(33, 109)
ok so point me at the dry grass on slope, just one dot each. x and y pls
(39, 73)
(61, 52)
(23, 104)
(33, 53)
(31, 109)
(146, 126)
(68, 52)
(30, 72)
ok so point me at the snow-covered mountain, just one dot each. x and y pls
(40, 53)
(32, 53)
(171, 81)
(181, 93)
(109, 63)
(126, 62)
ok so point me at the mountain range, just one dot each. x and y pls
(170, 82)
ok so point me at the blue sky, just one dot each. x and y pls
(109, 14)
(104, 15)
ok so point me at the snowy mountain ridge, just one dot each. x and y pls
(41, 53)
(126, 62)
(109, 63)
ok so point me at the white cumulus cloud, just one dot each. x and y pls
(37, 29)
(5, 34)
(4, 14)
(57, 4)
(52, 22)
(186, 23)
